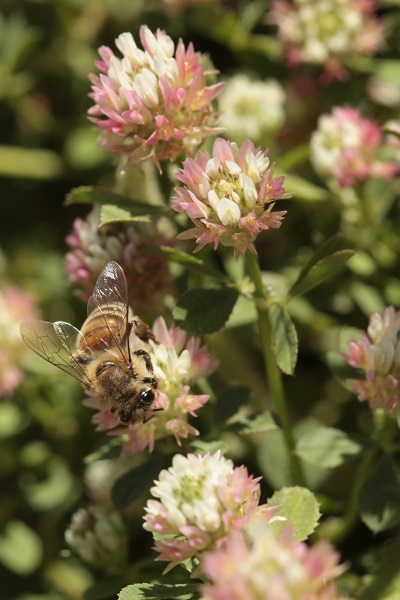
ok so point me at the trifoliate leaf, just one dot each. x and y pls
(379, 496)
(284, 338)
(328, 447)
(205, 310)
(300, 508)
(114, 214)
(158, 591)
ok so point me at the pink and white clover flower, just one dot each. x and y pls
(345, 146)
(153, 102)
(229, 196)
(254, 564)
(376, 355)
(200, 499)
(91, 247)
(177, 364)
(327, 32)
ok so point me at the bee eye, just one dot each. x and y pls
(146, 398)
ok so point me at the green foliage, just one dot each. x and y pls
(136, 482)
(284, 338)
(328, 447)
(20, 548)
(300, 509)
(156, 591)
(205, 310)
(379, 496)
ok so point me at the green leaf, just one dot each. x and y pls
(20, 548)
(229, 401)
(274, 461)
(321, 271)
(110, 213)
(158, 591)
(34, 163)
(300, 508)
(284, 338)
(190, 262)
(111, 449)
(104, 589)
(211, 446)
(384, 582)
(206, 310)
(328, 447)
(99, 195)
(132, 484)
(259, 423)
(304, 189)
(379, 496)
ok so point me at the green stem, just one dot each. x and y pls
(272, 371)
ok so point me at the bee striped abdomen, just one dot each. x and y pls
(104, 326)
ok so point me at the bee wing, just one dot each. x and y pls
(111, 291)
(56, 343)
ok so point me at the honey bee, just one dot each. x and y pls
(109, 356)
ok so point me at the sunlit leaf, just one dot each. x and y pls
(34, 163)
(300, 508)
(158, 591)
(328, 447)
(114, 214)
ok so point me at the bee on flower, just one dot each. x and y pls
(153, 102)
(229, 196)
(177, 363)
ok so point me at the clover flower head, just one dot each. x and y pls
(177, 364)
(98, 535)
(92, 247)
(229, 196)
(199, 500)
(15, 305)
(376, 355)
(153, 102)
(345, 145)
(326, 32)
(253, 564)
(243, 103)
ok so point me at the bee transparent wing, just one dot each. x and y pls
(110, 294)
(56, 343)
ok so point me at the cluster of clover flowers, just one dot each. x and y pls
(154, 103)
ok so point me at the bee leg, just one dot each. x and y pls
(152, 380)
(146, 357)
(153, 410)
(141, 330)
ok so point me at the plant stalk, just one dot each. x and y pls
(273, 374)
